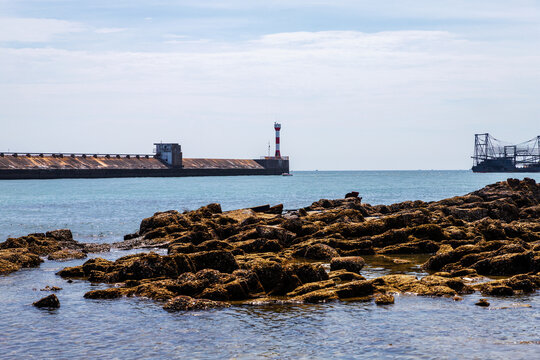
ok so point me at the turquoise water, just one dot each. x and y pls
(105, 209)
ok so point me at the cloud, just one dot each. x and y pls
(109, 30)
(35, 30)
(355, 90)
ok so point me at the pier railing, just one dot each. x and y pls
(77, 155)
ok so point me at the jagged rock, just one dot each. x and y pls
(50, 302)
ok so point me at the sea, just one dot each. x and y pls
(104, 210)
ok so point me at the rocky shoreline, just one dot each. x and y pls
(314, 254)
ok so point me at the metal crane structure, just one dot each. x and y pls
(493, 155)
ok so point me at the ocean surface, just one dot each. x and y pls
(103, 210)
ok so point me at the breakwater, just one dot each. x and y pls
(55, 166)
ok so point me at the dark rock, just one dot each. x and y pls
(277, 209)
(64, 235)
(482, 302)
(221, 260)
(112, 293)
(50, 301)
(352, 194)
(320, 252)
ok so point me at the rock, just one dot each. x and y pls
(352, 194)
(482, 302)
(64, 235)
(320, 252)
(354, 289)
(506, 264)
(12, 259)
(184, 303)
(221, 260)
(111, 293)
(268, 272)
(349, 263)
(50, 301)
(66, 254)
(51, 288)
(384, 299)
(277, 209)
(344, 275)
(310, 287)
(71, 272)
(307, 273)
(318, 296)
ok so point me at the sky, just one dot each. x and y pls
(356, 85)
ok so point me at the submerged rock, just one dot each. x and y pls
(183, 303)
(482, 302)
(66, 254)
(50, 301)
(384, 299)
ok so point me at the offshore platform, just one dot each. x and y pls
(493, 155)
(166, 161)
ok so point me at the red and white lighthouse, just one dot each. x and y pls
(277, 127)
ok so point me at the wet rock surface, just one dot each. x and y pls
(318, 253)
(59, 245)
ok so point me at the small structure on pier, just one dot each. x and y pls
(170, 153)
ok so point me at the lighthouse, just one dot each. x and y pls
(277, 127)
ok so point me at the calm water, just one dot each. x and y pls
(106, 209)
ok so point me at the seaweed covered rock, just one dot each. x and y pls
(66, 254)
(13, 259)
(320, 252)
(184, 303)
(270, 255)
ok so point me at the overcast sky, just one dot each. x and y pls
(356, 84)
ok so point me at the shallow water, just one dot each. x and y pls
(105, 209)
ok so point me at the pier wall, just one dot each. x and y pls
(111, 166)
